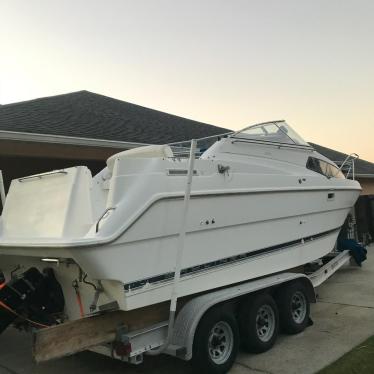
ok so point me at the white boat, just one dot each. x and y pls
(262, 201)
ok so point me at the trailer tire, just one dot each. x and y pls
(216, 342)
(258, 323)
(294, 307)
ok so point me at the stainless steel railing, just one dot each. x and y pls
(348, 165)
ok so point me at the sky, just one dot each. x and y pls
(229, 63)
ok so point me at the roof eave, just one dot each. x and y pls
(68, 140)
(367, 176)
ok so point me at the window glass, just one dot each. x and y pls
(334, 172)
(324, 168)
(274, 132)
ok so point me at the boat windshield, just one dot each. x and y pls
(273, 132)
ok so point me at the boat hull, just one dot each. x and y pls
(251, 235)
(230, 238)
(255, 210)
(236, 271)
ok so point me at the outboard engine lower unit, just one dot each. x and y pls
(33, 296)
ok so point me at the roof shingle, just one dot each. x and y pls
(362, 167)
(89, 115)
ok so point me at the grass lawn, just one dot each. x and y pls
(360, 360)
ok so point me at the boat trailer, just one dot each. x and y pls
(127, 336)
(203, 328)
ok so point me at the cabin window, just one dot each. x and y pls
(324, 168)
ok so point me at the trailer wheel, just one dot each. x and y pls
(294, 307)
(259, 323)
(216, 342)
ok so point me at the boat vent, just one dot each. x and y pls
(178, 172)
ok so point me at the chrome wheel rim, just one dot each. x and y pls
(220, 342)
(298, 307)
(265, 323)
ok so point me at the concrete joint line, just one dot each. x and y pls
(343, 304)
(10, 371)
(254, 369)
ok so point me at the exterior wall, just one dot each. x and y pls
(17, 167)
(364, 210)
(19, 158)
(55, 150)
(367, 185)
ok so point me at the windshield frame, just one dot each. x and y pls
(279, 124)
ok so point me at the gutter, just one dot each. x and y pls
(68, 140)
(368, 176)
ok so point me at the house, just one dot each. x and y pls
(364, 208)
(82, 128)
(363, 170)
(86, 128)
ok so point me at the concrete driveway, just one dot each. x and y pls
(343, 318)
